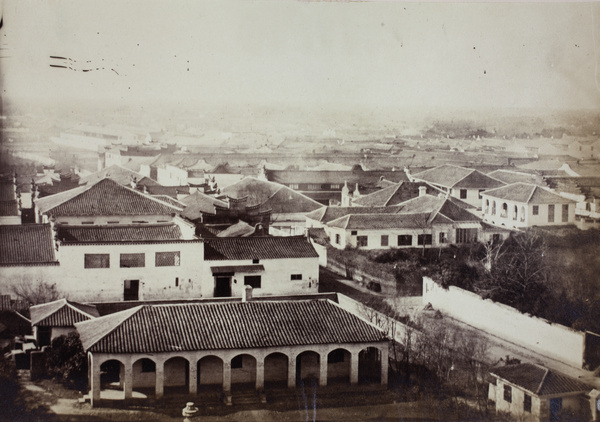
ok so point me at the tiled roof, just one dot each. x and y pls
(213, 326)
(121, 175)
(455, 208)
(334, 177)
(239, 229)
(527, 193)
(61, 313)
(271, 196)
(7, 191)
(451, 176)
(118, 233)
(234, 248)
(381, 221)
(393, 195)
(105, 198)
(170, 201)
(9, 208)
(171, 191)
(539, 380)
(327, 214)
(199, 203)
(508, 176)
(26, 244)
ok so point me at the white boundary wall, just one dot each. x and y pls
(539, 335)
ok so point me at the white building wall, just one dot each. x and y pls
(106, 284)
(472, 198)
(529, 219)
(275, 280)
(114, 220)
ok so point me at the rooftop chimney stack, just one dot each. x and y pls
(422, 190)
(247, 294)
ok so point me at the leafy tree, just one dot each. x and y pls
(67, 361)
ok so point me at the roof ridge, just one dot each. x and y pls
(76, 309)
(531, 194)
(393, 193)
(466, 175)
(546, 372)
(129, 313)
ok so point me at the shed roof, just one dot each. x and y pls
(235, 248)
(539, 380)
(212, 326)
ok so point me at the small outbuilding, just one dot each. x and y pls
(53, 319)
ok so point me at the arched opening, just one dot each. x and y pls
(516, 212)
(494, 208)
(177, 376)
(210, 373)
(369, 366)
(144, 376)
(487, 206)
(308, 368)
(276, 370)
(338, 367)
(504, 212)
(522, 213)
(243, 372)
(112, 373)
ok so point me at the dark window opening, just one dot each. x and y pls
(463, 194)
(96, 261)
(176, 281)
(527, 403)
(131, 289)
(252, 280)
(255, 261)
(565, 213)
(551, 213)
(167, 259)
(133, 260)
(404, 240)
(354, 232)
(296, 277)
(536, 210)
(508, 393)
(425, 239)
(362, 241)
(384, 240)
(148, 365)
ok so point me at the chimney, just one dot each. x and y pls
(247, 294)
(422, 190)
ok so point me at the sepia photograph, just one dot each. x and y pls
(299, 210)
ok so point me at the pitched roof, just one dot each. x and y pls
(393, 195)
(238, 325)
(381, 221)
(106, 198)
(527, 193)
(509, 176)
(119, 233)
(9, 208)
(539, 380)
(334, 177)
(26, 244)
(241, 229)
(327, 214)
(233, 248)
(271, 196)
(121, 175)
(199, 203)
(453, 208)
(451, 176)
(61, 313)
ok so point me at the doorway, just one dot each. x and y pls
(222, 286)
(131, 290)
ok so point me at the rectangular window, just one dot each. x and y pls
(133, 260)
(463, 194)
(312, 186)
(140, 222)
(176, 281)
(337, 239)
(551, 213)
(536, 210)
(466, 235)
(384, 240)
(404, 240)
(336, 186)
(93, 260)
(293, 186)
(424, 239)
(87, 222)
(480, 191)
(255, 261)
(252, 280)
(113, 222)
(296, 277)
(354, 232)
(565, 213)
(442, 237)
(167, 259)
(362, 241)
(508, 393)
(527, 403)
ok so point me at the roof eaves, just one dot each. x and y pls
(531, 194)
(101, 335)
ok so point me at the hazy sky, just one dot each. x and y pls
(304, 53)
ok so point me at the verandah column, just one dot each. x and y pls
(159, 389)
(384, 364)
(323, 369)
(193, 375)
(260, 373)
(227, 374)
(95, 379)
(292, 371)
(127, 378)
(354, 359)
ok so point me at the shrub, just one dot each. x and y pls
(67, 361)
